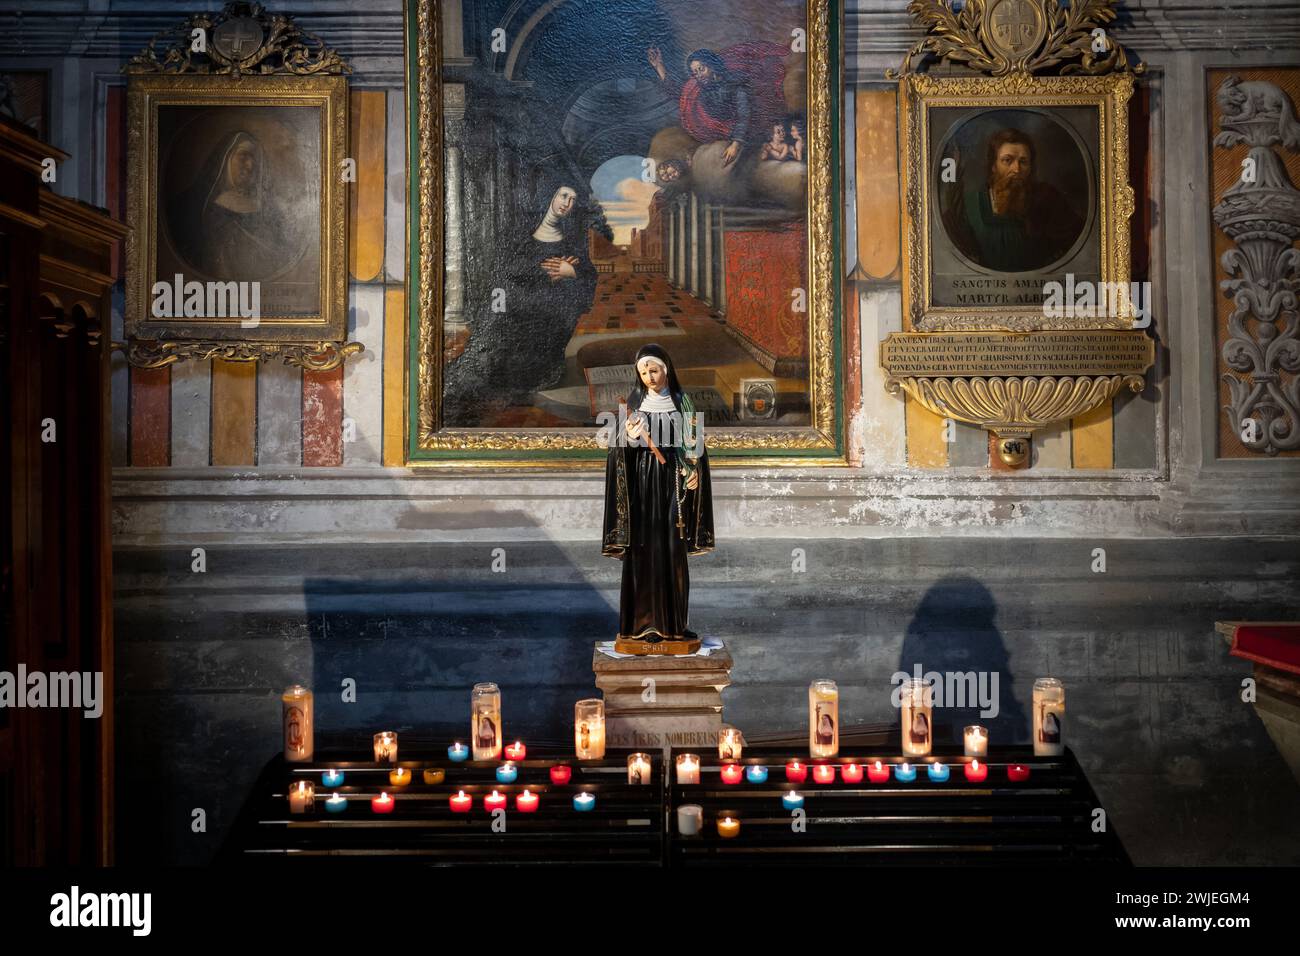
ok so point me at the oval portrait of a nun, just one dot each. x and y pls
(239, 195)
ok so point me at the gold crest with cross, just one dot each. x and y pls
(1018, 305)
(1015, 27)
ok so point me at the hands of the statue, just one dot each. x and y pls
(692, 480)
(635, 427)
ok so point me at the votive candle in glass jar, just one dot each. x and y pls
(1049, 717)
(977, 741)
(302, 797)
(298, 718)
(688, 768)
(589, 729)
(485, 721)
(823, 718)
(386, 747)
(916, 717)
(730, 744)
(638, 769)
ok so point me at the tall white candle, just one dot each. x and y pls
(485, 721)
(823, 718)
(915, 718)
(298, 718)
(589, 729)
(1049, 717)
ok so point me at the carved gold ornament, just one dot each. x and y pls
(1014, 368)
(309, 356)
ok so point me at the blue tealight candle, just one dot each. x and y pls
(458, 752)
(792, 800)
(904, 773)
(507, 773)
(332, 778)
(938, 772)
(584, 802)
(337, 803)
(756, 773)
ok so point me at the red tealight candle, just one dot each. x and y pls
(461, 802)
(977, 772)
(732, 773)
(561, 773)
(878, 772)
(516, 750)
(526, 802)
(796, 772)
(824, 773)
(494, 801)
(382, 803)
(851, 772)
(1017, 773)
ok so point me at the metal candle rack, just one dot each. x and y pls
(1048, 818)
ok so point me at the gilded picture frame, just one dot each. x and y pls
(1076, 129)
(288, 236)
(433, 440)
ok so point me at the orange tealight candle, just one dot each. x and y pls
(399, 777)
(728, 827)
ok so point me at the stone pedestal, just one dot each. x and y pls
(654, 703)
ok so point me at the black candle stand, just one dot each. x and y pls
(1046, 819)
(625, 826)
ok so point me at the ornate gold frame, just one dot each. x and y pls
(1114, 196)
(821, 443)
(314, 341)
(1002, 384)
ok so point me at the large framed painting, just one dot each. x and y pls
(1018, 194)
(590, 176)
(235, 193)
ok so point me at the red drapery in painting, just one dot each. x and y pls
(764, 270)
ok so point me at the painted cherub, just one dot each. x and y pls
(778, 148)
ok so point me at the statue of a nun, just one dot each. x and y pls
(658, 508)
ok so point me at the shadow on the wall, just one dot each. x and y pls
(954, 630)
(422, 623)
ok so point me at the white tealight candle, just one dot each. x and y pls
(302, 797)
(688, 768)
(690, 818)
(977, 741)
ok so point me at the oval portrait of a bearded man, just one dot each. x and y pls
(1014, 190)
